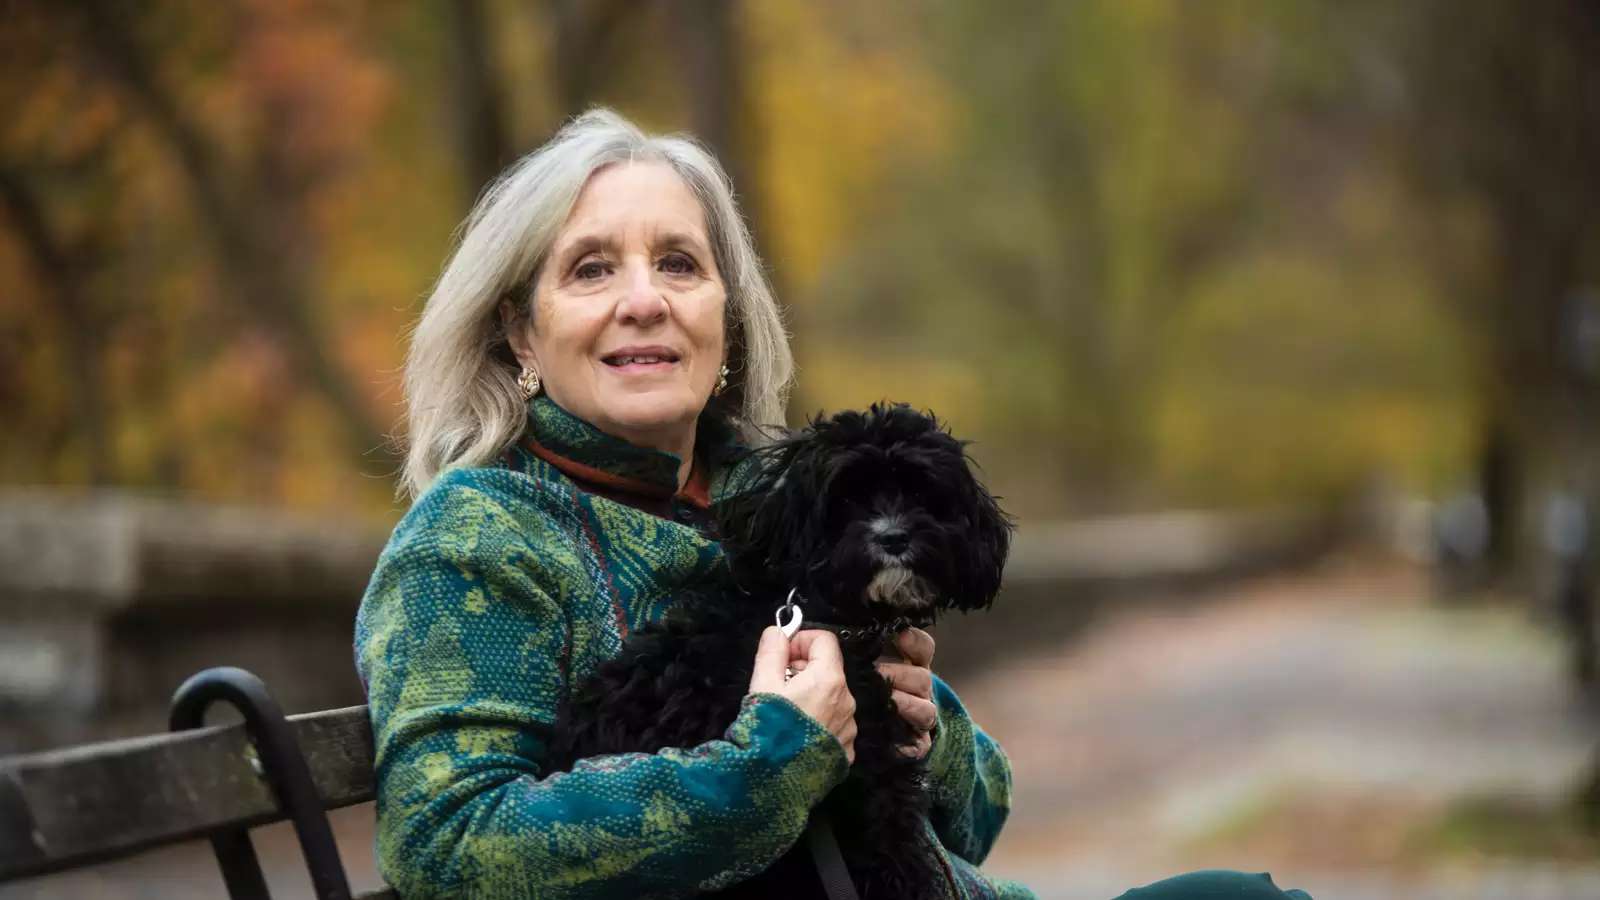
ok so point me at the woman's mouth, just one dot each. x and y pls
(650, 359)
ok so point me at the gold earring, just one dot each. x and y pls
(528, 381)
(722, 382)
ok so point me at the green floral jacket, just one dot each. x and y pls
(505, 585)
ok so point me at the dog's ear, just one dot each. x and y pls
(987, 529)
(990, 544)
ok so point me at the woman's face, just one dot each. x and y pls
(627, 325)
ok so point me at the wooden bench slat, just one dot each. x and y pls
(66, 808)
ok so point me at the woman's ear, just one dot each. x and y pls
(516, 325)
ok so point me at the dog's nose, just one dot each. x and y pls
(894, 542)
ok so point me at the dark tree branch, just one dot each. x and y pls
(1507, 111)
(269, 289)
(705, 32)
(583, 31)
(479, 108)
(61, 275)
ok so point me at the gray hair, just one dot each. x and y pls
(463, 407)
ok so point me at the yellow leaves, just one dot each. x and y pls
(846, 377)
(841, 114)
(1289, 378)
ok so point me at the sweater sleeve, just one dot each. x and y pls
(465, 655)
(971, 781)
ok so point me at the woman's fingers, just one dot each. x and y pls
(913, 680)
(772, 657)
(916, 647)
(920, 714)
(912, 683)
(918, 748)
(847, 739)
(815, 682)
(923, 716)
(816, 644)
(817, 686)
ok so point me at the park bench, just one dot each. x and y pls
(63, 809)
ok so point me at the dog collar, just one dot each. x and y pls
(863, 633)
(791, 619)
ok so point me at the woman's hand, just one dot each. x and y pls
(912, 680)
(817, 687)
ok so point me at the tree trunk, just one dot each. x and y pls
(479, 103)
(61, 276)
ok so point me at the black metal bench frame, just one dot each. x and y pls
(68, 808)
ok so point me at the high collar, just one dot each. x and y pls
(586, 453)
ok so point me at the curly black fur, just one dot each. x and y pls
(873, 516)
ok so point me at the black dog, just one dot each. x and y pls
(876, 521)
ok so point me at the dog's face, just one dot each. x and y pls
(875, 515)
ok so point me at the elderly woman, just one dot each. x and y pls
(594, 356)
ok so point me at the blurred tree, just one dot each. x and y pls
(1161, 243)
(1505, 122)
(585, 36)
(584, 32)
(153, 148)
(255, 216)
(68, 252)
(482, 122)
(216, 261)
(1124, 244)
(61, 265)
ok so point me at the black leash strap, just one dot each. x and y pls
(830, 862)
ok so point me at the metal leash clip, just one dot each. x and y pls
(790, 605)
(790, 627)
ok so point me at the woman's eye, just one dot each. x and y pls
(677, 264)
(590, 270)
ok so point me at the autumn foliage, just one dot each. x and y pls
(1146, 252)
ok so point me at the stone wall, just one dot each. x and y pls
(109, 600)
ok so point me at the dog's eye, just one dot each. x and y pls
(918, 490)
(847, 506)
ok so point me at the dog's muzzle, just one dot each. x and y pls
(899, 587)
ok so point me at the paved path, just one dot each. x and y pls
(1336, 710)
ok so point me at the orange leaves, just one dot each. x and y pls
(303, 72)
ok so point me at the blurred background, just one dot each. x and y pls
(1275, 322)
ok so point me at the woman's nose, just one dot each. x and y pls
(642, 301)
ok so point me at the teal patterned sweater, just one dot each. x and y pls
(505, 585)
